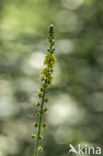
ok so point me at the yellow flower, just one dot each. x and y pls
(45, 71)
(51, 64)
(45, 85)
(40, 89)
(53, 58)
(47, 58)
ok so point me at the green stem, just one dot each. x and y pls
(39, 126)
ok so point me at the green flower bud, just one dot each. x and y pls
(53, 49)
(42, 79)
(46, 110)
(46, 99)
(37, 114)
(51, 30)
(48, 50)
(41, 137)
(41, 129)
(33, 136)
(41, 89)
(44, 125)
(37, 103)
(35, 124)
(41, 111)
(53, 42)
(40, 94)
(40, 148)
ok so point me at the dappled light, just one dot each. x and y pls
(75, 106)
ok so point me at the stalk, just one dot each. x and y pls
(46, 79)
(39, 126)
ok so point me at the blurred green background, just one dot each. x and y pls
(76, 98)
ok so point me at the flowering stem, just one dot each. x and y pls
(40, 121)
(46, 79)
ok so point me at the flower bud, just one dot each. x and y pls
(37, 103)
(46, 99)
(53, 42)
(37, 114)
(41, 111)
(40, 148)
(44, 125)
(33, 136)
(35, 124)
(41, 129)
(48, 50)
(40, 90)
(40, 94)
(42, 79)
(41, 137)
(46, 110)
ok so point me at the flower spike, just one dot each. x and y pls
(46, 80)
